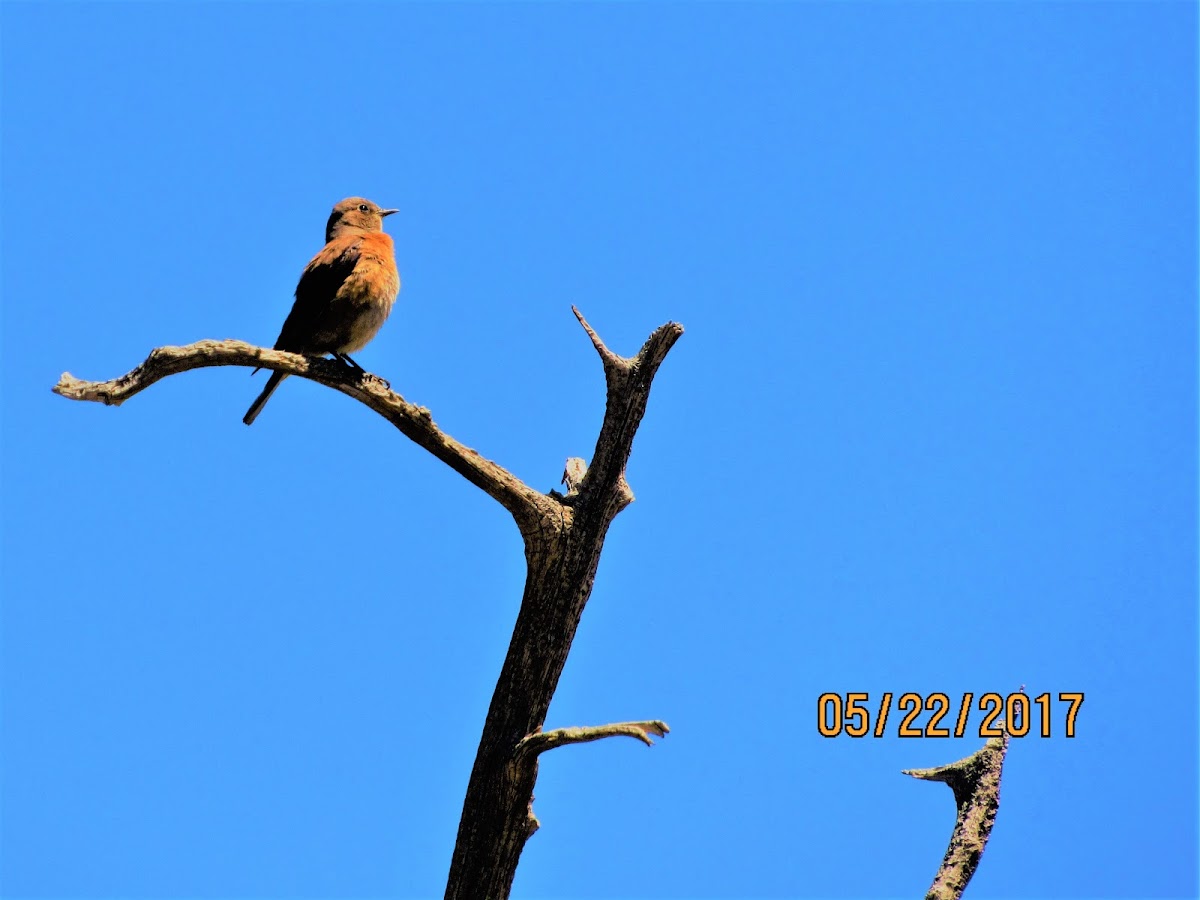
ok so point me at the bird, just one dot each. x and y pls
(345, 293)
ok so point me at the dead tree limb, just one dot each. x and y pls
(562, 556)
(976, 785)
(413, 421)
(563, 534)
(536, 744)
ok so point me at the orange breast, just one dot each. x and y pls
(369, 291)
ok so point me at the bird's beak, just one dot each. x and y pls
(388, 212)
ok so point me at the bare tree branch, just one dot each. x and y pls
(534, 745)
(607, 357)
(976, 785)
(526, 505)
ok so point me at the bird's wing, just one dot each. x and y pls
(304, 329)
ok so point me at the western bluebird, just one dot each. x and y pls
(345, 292)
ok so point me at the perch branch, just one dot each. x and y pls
(976, 785)
(415, 422)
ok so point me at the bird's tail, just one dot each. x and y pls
(256, 407)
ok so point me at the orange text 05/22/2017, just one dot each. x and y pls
(1018, 714)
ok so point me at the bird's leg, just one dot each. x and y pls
(348, 361)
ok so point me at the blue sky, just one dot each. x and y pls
(932, 427)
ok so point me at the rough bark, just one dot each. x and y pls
(563, 536)
(976, 785)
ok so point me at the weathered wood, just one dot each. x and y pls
(563, 535)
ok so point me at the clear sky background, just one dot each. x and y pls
(932, 427)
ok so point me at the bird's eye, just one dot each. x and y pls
(363, 207)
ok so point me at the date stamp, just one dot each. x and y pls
(1019, 714)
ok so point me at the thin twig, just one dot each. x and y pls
(607, 356)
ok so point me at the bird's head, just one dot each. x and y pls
(355, 215)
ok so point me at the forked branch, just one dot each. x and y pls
(564, 535)
(497, 817)
(628, 380)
